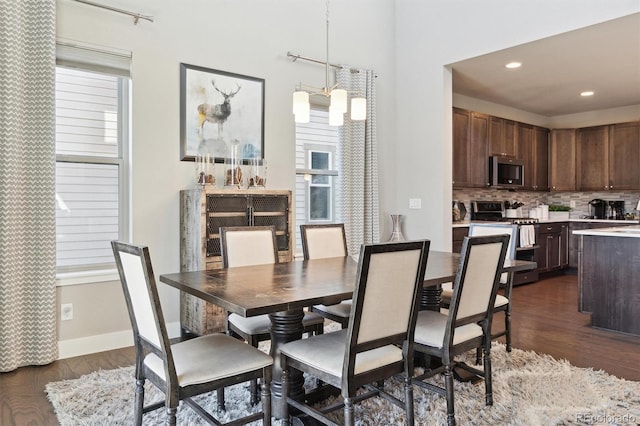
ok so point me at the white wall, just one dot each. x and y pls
(249, 37)
(431, 34)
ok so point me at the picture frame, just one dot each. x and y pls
(221, 114)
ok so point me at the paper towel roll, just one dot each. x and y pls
(544, 215)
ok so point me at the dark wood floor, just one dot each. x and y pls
(545, 319)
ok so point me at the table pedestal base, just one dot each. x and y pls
(285, 327)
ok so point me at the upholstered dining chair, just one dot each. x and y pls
(503, 301)
(467, 324)
(185, 369)
(321, 241)
(256, 245)
(377, 344)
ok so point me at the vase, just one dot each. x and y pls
(396, 230)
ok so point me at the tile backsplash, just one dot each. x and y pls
(533, 198)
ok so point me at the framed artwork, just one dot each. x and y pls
(220, 112)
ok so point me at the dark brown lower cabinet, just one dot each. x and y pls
(553, 251)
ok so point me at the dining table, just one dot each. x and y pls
(283, 290)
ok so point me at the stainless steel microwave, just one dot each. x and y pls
(506, 172)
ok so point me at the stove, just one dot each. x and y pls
(493, 211)
(522, 220)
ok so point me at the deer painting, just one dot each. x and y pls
(217, 113)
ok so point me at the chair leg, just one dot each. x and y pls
(348, 412)
(221, 401)
(487, 375)
(286, 421)
(254, 383)
(507, 327)
(448, 383)
(478, 356)
(139, 401)
(344, 323)
(408, 400)
(171, 416)
(265, 396)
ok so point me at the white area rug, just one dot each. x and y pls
(529, 389)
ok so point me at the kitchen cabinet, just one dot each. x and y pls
(502, 137)
(607, 157)
(562, 160)
(624, 156)
(592, 158)
(202, 213)
(553, 251)
(470, 149)
(533, 144)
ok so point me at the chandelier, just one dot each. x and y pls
(338, 97)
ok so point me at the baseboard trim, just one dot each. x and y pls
(104, 342)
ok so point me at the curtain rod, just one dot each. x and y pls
(136, 16)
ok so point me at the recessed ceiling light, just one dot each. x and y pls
(587, 93)
(512, 65)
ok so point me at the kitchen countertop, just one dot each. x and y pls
(632, 231)
(465, 223)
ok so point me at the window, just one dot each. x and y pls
(92, 114)
(316, 165)
(319, 203)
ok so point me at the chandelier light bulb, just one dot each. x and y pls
(300, 101)
(339, 100)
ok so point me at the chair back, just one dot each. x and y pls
(480, 229)
(143, 303)
(477, 281)
(385, 302)
(321, 241)
(248, 245)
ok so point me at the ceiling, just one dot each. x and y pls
(604, 58)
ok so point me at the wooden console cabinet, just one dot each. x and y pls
(202, 213)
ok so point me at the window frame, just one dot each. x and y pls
(80, 274)
(310, 184)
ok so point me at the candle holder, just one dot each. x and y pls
(257, 173)
(205, 173)
(233, 167)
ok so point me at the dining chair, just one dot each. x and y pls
(377, 344)
(503, 301)
(322, 241)
(188, 368)
(255, 245)
(467, 323)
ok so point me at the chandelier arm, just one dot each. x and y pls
(326, 64)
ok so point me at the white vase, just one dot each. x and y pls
(396, 230)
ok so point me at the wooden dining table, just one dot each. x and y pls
(282, 290)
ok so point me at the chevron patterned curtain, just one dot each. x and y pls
(27, 183)
(357, 204)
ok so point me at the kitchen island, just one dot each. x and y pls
(609, 277)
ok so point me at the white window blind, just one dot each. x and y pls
(91, 179)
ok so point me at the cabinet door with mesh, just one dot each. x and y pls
(273, 210)
(224, 210)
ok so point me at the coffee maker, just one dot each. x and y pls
(616, 210)
(598, 209)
